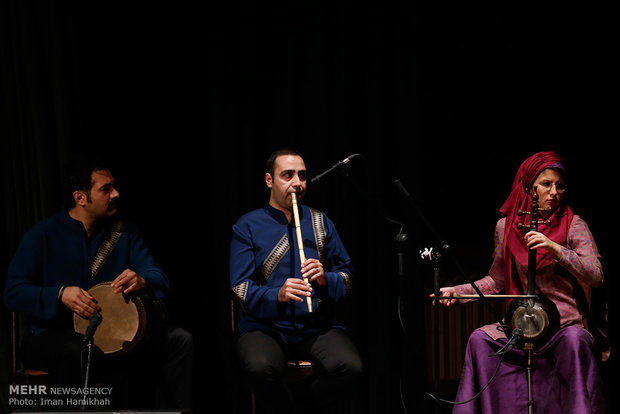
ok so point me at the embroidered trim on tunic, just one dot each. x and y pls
(240, 292)
(319, 232)
(106, 247)
(348, 283)
(319, 236)
(274, 257)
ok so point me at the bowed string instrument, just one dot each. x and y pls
(536, 316)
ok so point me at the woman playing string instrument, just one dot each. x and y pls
(566, 377)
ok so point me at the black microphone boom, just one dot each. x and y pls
(334, 167)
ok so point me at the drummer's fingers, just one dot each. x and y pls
(84, 296)
(120, 279)
(120, 282)
(73, 295)
(81, 309)
(136, 284)
(86, 312)
(92, 306)
(130, 287)
(86, 309)
(91, 310)
(123, 279)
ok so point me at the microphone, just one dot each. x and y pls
(334, 167)
(401, 189)
(95, 321)
(517, 335)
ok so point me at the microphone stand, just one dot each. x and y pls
(400, 240)
(334, 167)
(89, 350)
(436, 267)
(95, 320)
(405, 194)
(435, 254)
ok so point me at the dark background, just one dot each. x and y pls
(188, 100)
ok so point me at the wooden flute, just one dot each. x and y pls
(300, 243)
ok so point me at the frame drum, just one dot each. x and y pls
(123, 320)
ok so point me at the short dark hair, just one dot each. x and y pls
(272, 158)
(78, 177)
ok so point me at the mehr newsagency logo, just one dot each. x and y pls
(26, 397)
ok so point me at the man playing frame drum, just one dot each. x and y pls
(60, 259)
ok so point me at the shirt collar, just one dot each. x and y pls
(278, 215)
(77, 225)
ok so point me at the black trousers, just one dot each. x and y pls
(163, 367)
(263, 358)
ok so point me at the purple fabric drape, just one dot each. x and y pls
(565, 376)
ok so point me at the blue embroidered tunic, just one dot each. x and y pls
(57, 252)
(264, 253)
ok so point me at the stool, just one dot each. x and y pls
(22, 375)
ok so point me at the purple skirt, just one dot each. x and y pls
(565, 376)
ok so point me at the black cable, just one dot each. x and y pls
(439, 400)
(516, 336)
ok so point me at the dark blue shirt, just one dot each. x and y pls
(264, 253)
(57, 252)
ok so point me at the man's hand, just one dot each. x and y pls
(292, 289)
(312, 269)
(80, 301)
(127, 282)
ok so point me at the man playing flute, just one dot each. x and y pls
(267, 280)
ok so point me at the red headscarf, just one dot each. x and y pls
(514, 244)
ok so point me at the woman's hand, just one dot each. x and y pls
(446, 291)
(535, 240)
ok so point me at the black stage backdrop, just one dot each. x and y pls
(189, 98)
